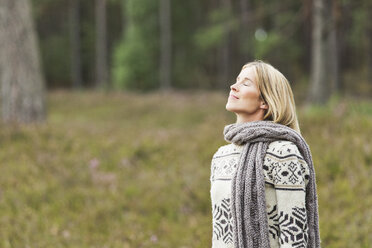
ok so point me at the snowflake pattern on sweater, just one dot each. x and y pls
(286, 176)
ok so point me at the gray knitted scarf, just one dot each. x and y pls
(248, 202)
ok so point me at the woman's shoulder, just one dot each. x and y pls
(284, 149)
(279, 148)
(228, 149)
(284, 164)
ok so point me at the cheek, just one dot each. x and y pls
(251, 95)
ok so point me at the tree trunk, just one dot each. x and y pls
(369, 33)
(244, 32)
(320, 90)
(245, 12)
(101, 44)
(225, 52)
(22, 82)
(307, 32)
(333, 48)
(75, 43)
(165, 44)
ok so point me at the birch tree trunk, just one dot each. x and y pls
(22, 82)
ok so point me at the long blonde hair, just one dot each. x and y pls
(277, 93)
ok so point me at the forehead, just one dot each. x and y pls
(247, 72)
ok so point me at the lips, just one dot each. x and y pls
(235, 97)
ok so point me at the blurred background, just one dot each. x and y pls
(111, 111)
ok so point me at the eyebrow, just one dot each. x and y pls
(244, 78)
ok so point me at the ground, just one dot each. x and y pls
(132, 170)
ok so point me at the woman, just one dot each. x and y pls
(263, 188)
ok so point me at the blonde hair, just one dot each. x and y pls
(277, 93)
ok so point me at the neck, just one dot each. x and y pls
(241, 118)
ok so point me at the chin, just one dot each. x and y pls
(229, 108)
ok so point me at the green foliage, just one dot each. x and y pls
(53, 37)
(53, 51)
(133, 171)
(272, 46)
(185, 56)
(360, 24)
(220, 24)
(210, 37)
(358, 37)
(200, 30)
(135, 60)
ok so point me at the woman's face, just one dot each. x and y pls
(244, 98)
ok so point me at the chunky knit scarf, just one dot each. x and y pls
(248, 202)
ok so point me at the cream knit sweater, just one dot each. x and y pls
(286, 176)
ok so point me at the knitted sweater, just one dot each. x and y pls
(286, 176)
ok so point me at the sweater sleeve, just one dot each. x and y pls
(290, 177)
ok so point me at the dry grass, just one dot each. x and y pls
(132, 170)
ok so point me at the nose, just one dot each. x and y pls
(233, 87)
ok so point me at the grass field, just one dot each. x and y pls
(130, 170)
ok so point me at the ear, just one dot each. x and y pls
(264, 105)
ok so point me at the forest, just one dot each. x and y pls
(321, 46)
(111, 111)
